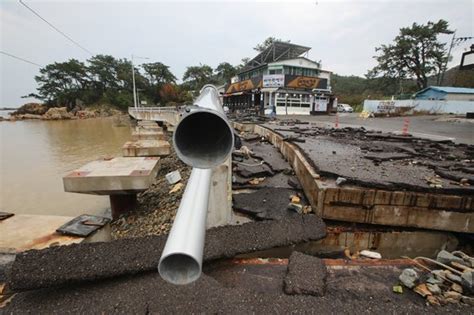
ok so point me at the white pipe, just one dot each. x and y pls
(204, 138)
(181, 260)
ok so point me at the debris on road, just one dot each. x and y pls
(306, 275)
(370, 254)
(173, 177)
(452, 284)
(409, 277)
(176, 188)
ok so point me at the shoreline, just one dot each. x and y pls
(60, 113)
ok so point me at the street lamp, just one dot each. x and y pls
(133, 80)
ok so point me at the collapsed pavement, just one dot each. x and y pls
(235, 287)
(376, 190)
(93, 261)
(120, 276)
(380, 160)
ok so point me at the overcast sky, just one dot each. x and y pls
(343, 34)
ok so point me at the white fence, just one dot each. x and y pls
(431, 106)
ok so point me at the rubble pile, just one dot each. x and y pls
(272, 189)
(157, 205)
(247, 116)
(447, 280)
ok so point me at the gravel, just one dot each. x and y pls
(156, 206)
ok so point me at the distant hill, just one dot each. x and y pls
(353, 89)
(455, 77)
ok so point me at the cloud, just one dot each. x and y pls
(343, 34)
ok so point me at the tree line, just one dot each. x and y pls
(104, 79)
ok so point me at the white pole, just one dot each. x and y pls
(181, 260)
(134, 89)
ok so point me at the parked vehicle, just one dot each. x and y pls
(344, 108)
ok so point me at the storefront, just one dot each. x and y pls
(279, 80)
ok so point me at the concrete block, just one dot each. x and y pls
(146, 148)
(410, 199)
(398, 198)
(351, 196)
(369, 197)
(331, 195)
(468, 203)
(423, 200)
(143, 134)
(220, 196)
(447, 202)
(115, 176)
(382, 197)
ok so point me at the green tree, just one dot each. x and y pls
(197, 76)
(103, 71)
(61, 83)
(157, 74)
(225, 71)
(415, 53)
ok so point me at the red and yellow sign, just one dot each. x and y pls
(304, 83)
(240, 86)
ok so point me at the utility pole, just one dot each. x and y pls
(135, 103)
(454, 41)
(447, 59)
(134, 88)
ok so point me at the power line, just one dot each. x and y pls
(56, 29)
(19, 58)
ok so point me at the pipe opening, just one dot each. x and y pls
(203, 139)
(179, 269)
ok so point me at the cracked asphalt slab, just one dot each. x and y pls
(66, 265)
(434, 126)
(348, 292)
(379, 160)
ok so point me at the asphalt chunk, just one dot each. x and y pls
(253, 170)
(270, 155)
(65, 265)
(306, 275)
(266, 203)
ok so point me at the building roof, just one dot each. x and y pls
(448, 89)
(276, 52)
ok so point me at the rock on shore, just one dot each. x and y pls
(43, 112)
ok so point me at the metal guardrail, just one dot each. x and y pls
(153, 109)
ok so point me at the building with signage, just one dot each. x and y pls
(281, 79)
(445, 93)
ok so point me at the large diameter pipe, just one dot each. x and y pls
(181, 260)
(204, 137)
